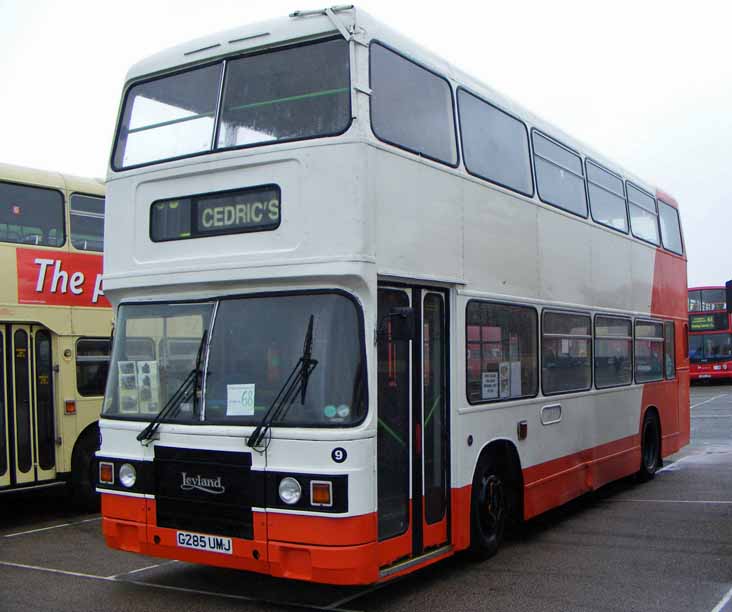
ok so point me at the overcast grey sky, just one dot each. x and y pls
(647, 83)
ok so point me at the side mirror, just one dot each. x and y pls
(399, 324)
(728, 286)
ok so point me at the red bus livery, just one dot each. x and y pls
(710, 334)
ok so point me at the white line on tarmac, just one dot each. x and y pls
(141, 569)
(52, 570)
(711, 502)
(723, 602)
(20, 533)
(711, 399)
(342, 602)
(166, 587)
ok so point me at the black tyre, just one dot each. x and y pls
(489, 506)
(650, 447)
(84, 467)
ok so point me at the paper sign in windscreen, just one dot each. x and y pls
(240, 400)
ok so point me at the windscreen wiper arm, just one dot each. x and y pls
(296, 381)
(189, 387)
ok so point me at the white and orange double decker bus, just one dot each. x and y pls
(55, 326)
(369, 309)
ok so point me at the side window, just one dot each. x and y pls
(559, 176)
(695, 301)
(92, 365)
(613, 352)
(87, 222)
(411, 107)
(31, 215)
(670, 228)
(607, 198)
(648, 351)
(495, 144)
(501, 348)
(670, 349)
(565, 352)
(643, 215)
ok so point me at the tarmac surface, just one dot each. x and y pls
(665, 545)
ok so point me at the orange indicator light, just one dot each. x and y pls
(106, 472)
(321, 493)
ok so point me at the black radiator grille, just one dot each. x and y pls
(205, 491)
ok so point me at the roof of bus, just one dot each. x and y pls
(707, 288)
(46, 178)
(307, 25)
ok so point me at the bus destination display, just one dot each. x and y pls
(708, 322)
(254, 209)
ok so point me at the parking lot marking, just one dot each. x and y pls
(51, 570)
(20, 533)
(288, 604)
(166, 587)
(710, 502)
(711, 399)
(342, 602)
(142, 569)
(723, 602)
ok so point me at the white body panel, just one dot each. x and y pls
(356, 211)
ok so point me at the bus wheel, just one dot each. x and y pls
(650, 447)
(84, 468)
(488, 508)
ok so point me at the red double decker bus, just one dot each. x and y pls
(710, 336)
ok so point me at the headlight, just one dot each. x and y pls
(127, 475)
(290, 490)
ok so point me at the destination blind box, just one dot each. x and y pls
(237, 211)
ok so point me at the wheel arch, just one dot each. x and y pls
(509, 461)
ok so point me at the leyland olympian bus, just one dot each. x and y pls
(55, 326)
(368, 309)
(710, 335)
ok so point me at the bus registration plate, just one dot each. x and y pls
(199, 541)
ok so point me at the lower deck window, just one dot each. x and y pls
(501, 343)
(649, 351)
(613, 352)
(92, 365)
(565, 357)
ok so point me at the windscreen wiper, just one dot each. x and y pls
(296, 381)
(187, 389)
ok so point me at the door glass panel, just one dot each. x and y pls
(3, 426)
(22, 401)
(44, 400)
(433, 355)
(393, 430)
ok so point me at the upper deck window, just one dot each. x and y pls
(294, 93)
(559, 176)
(643, 215)
(607, 197)
(703, 300)
(87, 222)
(31, 215)
(495, 144)
(283, 94)
(670, 227)
(411, 106)
(169, 117)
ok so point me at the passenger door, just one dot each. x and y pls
(412, 448)
(30, 428)
(4, 433)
